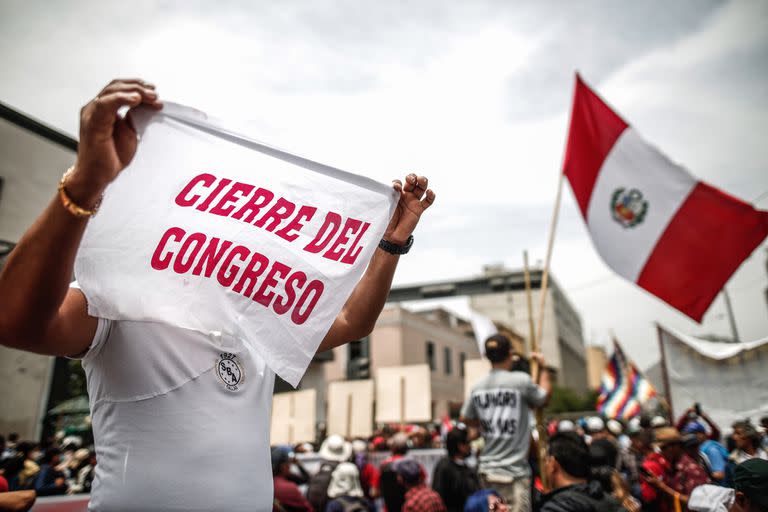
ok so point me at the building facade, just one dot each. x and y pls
(597, 359)
(400, 338)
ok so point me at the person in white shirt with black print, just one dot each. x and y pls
(180, 418)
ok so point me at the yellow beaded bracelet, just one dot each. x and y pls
(69, 204)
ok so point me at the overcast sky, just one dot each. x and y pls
(473, 94)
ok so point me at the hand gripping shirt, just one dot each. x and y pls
(180, 420)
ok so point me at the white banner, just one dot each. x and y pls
(209, 230)
(729, 380)
(483, 328)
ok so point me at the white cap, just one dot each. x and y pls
(595, 424)
(614, 427)
(566, 426)
(658, 421)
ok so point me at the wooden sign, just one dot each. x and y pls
(350, 408)
(293, 417)
(474, 370)
(403, 393)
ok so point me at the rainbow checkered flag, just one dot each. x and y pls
(624, 388)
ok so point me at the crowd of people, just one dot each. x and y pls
(592, 464)
(56, 467)
(490, 462)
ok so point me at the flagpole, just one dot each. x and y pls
(731, 317)
(535, 373)
(550, 243)
(665, 375)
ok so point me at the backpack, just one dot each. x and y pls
(351, 504)
(317, 490)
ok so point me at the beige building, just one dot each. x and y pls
(562, 343)
(401, 337)
(596, 361)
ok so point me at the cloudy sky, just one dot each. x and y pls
(473, 94)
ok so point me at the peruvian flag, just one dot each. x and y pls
(652, 221)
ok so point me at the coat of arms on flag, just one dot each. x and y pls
(624, 388)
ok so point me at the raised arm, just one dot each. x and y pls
(359, 314)
(38, 311)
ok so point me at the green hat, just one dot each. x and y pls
(751, 478)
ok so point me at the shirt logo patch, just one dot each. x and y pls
(230, 371)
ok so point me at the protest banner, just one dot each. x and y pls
(350, 408)
(728, 380)
(293, 417)
(209, 230)
(403, 393)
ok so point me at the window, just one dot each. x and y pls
(462, 359)
(358, 359)
(431, 355)
(448, 365)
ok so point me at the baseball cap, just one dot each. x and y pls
(497, 348)
(694, 427)
(409, 470)
(279, 455)
(751, 478)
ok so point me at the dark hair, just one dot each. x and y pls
(25, 447)
(603, 452)
(571, 452)
(497, 348)
(455, 437)
(13, 437)
(50, 453)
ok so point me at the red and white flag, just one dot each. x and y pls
(651, 220)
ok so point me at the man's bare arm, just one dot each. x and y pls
(38, 311)
(359, 314)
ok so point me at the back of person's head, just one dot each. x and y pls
(50, 454)
(478, 502)
(454, 439)
(603, 452)
(409, 472)
(280, 455)
(571, 453)
(398, 443)
(13, 437)
(602, 457)
(25, 448)
(750, 480)
(497, 348)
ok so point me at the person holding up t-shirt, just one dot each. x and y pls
(164, 399)
(500, 406)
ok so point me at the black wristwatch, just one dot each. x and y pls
(396, 249)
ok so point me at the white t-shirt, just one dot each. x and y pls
(180, 420)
